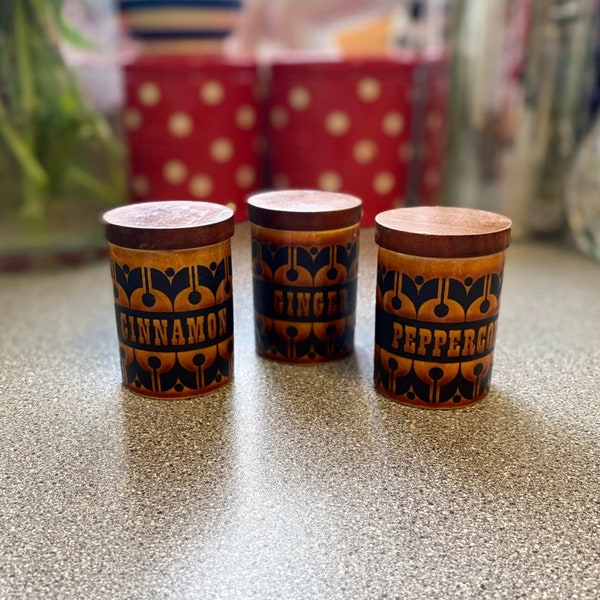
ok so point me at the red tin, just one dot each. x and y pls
(371, 127)
(193, 127)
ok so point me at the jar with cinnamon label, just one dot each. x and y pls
(171, 275)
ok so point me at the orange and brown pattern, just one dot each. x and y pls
(304, 293)
(435, 327)
(174, 319)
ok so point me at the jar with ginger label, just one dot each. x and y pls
(305, 268)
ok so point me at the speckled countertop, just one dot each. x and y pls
(300, 482)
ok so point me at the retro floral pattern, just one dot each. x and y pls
(304, 293)
(174, 319)
(435, 328)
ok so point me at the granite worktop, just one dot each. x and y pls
(300, 481)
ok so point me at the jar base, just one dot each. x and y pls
(192, 394)
(450, 404)
(304, 360)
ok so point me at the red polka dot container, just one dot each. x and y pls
(370, 127)
(193, 128)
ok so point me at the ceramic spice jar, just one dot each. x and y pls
(439, 276)
(305, 267)
(171, 274)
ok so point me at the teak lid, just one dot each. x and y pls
(168, 224)
(304, 210)
(442, 231)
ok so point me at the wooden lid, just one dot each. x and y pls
(304, 210)
(168, 225)
(442, 231)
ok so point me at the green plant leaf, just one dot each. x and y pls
(22, 150)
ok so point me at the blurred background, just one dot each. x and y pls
(489, 105)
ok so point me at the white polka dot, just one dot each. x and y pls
(212, 92)
(245, 176)
(221, 150)
(149, 94)
(201, 185)
(368, 89)
(364, 151)
(140, 185)
(279, 117)
(330, 181)
(337, 122)
(174, 171)
(132, 118)
(383, 183)
(180, 124)
(245, 116)
(232, 205)
(393, 123)
(299, 98)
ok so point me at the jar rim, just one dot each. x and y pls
(168, 224)
(442, 231)
(304, 210)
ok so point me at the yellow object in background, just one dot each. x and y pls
(368, 37)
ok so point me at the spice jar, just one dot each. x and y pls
(304, 267)
(439, 277)
(171, 273)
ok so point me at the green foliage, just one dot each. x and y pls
(51, 137)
